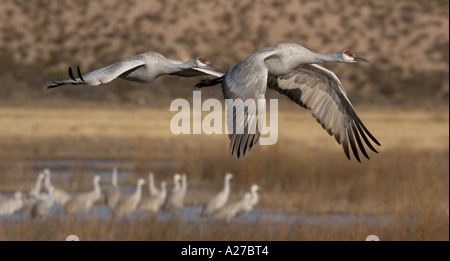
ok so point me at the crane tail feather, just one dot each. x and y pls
(79, 74)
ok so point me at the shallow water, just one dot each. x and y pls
(61, 170)
(258, 215)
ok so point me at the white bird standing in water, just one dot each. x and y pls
(174, 200)
(292, 70)
(60, 196)
(220, 199)
(112, 194)
(244, 204)
(152, 190)
(128, 204)
(232, 209)
(44, 204)
(10, 205)
(142, 68)
(253, 199)
(83, 202)
(154, 203)
(30, 199)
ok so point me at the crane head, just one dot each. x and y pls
(141, 181)
(201, 62)
(349, 57)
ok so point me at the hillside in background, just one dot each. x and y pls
(407, 43)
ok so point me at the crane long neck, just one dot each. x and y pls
(97, 190)
(226, 186)
(254, 198)
(187, 65)
(331, 57)
(163, 189)
(37, 187)
(138, 193)
(114, 178)
(175, 65)
(47, 183)
(151, 184)
(183, 184)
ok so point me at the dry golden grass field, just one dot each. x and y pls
(404, 188)
(311, 191)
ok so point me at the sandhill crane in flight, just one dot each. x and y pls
(292, 70)
(218, 200)
(142, 68)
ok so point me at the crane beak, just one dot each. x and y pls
(360, 59)
(213, 65)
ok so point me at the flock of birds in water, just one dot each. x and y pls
(38, 204)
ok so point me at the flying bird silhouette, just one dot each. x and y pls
(142, 68)
(292, 70)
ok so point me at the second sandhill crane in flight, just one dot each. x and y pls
(142, 68)
(292, 70)
(220, 199)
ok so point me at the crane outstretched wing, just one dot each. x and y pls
(243, 83)
(102, 75)
(319, 90)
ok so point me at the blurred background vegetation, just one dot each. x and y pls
(407, 43)
(402, 95)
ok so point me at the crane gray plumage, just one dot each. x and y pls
(254, 198)
(291, 70)
(232, 209)
(142, 68)
(155, 202)
(152, 190)
(60, 196)
(112, 193)
(44, 204)
(174, 200)
(84, 201)
(127, 205)
(220, 199)
(29, 199)
(244, 204)
(183, 186)
(10, 205)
